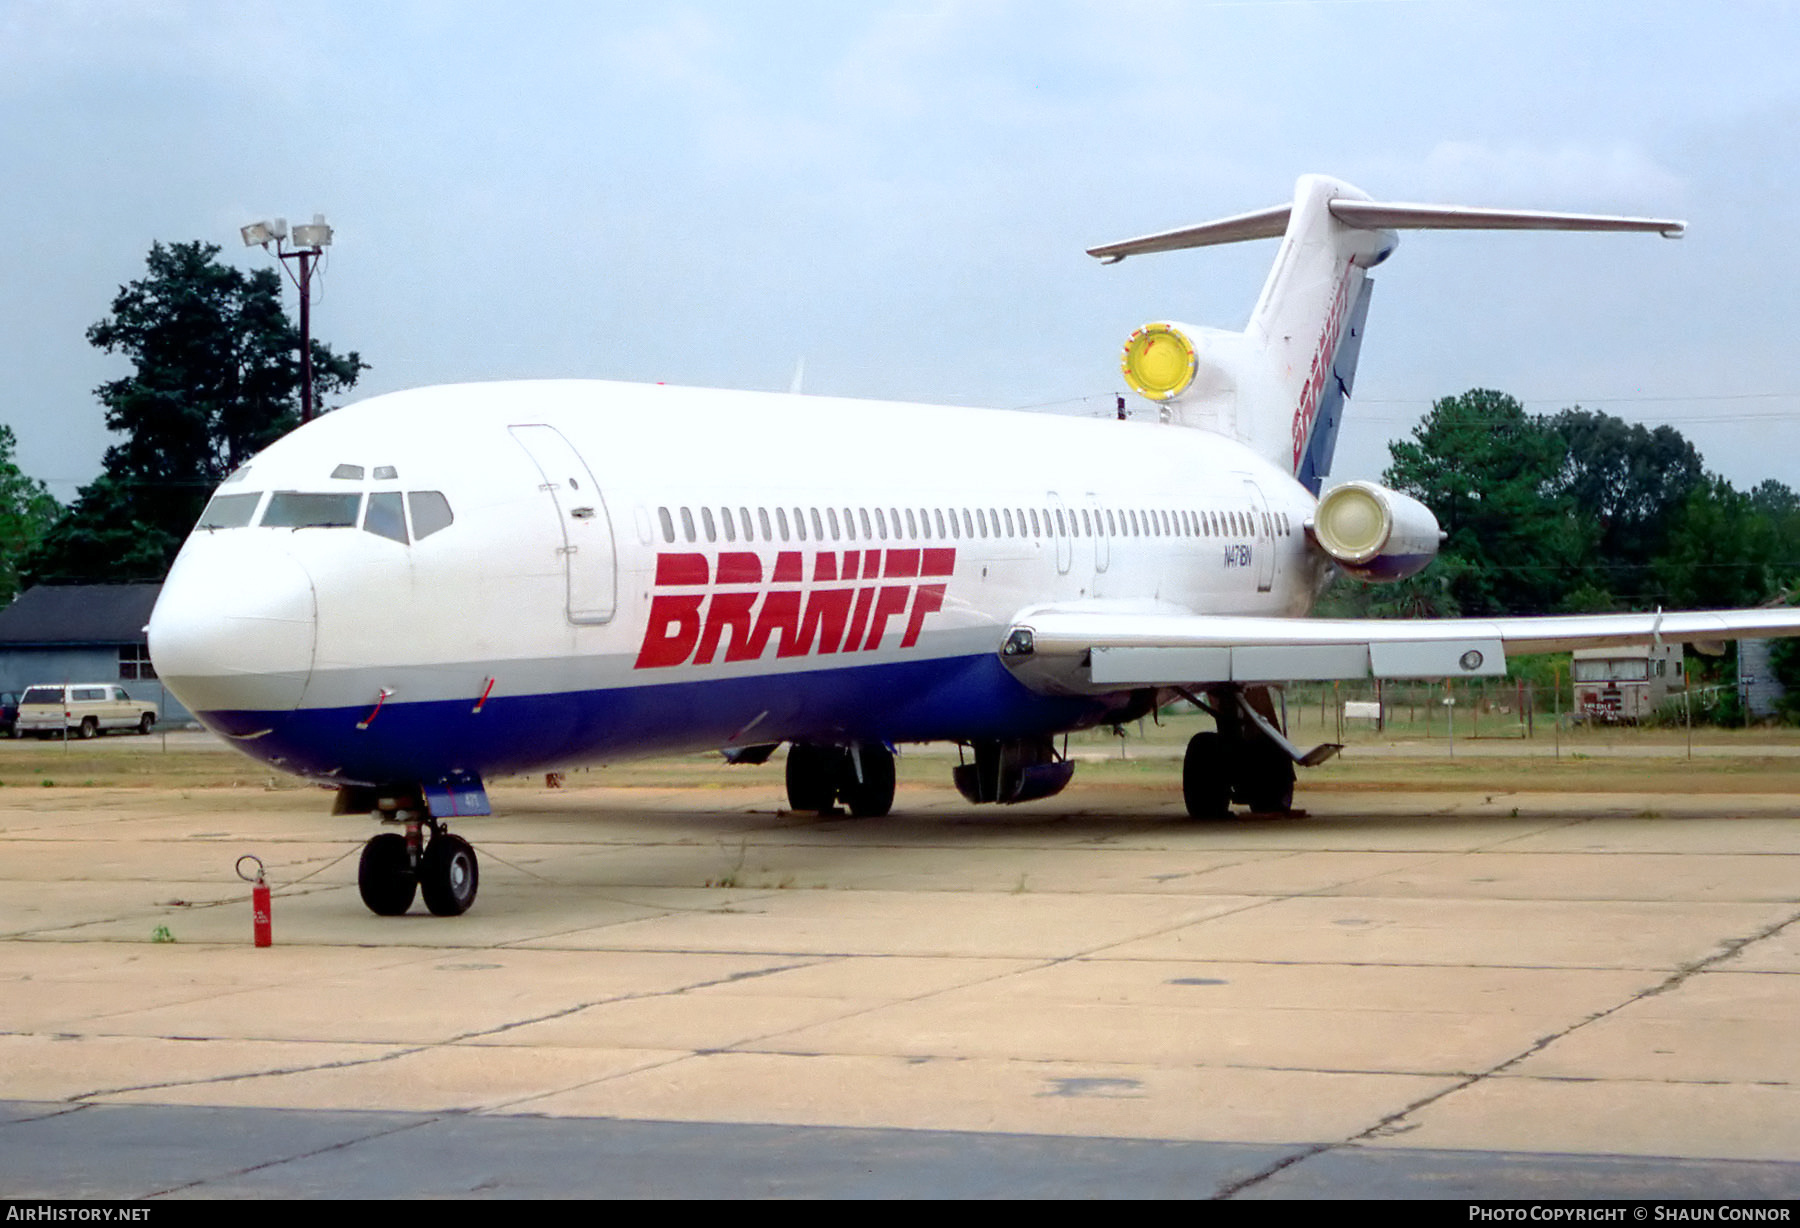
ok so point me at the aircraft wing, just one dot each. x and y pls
(1071, 649)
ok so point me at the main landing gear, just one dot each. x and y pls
(1215, 773)
(395, 867)
(860, 775)
(1248, 760)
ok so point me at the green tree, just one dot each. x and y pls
(216, 377)
(1728, 548)
(1426, 595)
(1781, 507)
(27, 511)
(1628, 485)
(1577, 512)
(1490, 474)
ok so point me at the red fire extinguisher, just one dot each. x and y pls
(259, 902)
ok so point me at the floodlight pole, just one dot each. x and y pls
(310, 241)
(306, 256)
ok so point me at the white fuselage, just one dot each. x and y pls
(672, 568)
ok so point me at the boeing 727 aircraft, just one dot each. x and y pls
(426, 589)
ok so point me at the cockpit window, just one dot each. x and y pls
(385, 473)
(385, 518)
(228, 511)
(430, 512)
(236, 475)
(293, 509)
(352, 473)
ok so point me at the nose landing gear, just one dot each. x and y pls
(395, 867)
(385, 876)
(449, 874)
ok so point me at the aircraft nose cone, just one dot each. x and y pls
(235, 627)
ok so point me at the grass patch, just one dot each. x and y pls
(1620, 760)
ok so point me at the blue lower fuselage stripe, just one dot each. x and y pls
(948, 699)
(1388, 568)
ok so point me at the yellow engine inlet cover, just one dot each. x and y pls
(1159, 361)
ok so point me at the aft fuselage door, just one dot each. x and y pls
(1264, 537)
(1102, 542)
(587, 547)
(1064, 533)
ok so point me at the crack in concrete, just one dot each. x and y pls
(341, 1145)
(1039, 964)
(407, 1051)
(56, 1110)
(1390, 1124)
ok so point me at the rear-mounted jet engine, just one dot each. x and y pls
(1374, 533)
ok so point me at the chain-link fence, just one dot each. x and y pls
(1470, 709)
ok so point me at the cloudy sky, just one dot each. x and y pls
(900, 194)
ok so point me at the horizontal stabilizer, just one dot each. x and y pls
(1381, 215)
(1263, 224)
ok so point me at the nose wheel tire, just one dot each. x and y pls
(385, 875)
(449, 875)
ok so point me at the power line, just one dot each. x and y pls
(1358, 408)
(1698, 396)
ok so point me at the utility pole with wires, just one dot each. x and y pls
(310, 241)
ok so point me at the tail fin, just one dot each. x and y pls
(1280, 385)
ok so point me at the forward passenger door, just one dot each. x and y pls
(588, 551)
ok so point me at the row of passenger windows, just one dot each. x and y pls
(949, 524)
(383, 513)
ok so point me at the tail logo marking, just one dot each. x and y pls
(1320, 374)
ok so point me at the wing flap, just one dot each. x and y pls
(1097, 650)
(1117, 666)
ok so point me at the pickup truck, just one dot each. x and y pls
(84, 709)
